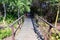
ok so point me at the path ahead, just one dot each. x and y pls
(27, 31)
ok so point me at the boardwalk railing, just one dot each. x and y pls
(45, 27)
(19, 26)
(48, 26)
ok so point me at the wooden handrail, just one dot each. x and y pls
(46, 22)
(10, 25)
(50, 26)
(12, 28)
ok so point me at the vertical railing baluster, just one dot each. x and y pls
(49, 31)
(19, 24)
(44, 36)
(12, 28)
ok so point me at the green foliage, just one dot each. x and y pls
(23, 5)
(5, 32)
(1, 18)
(55, 36)
(14, 5)
(10, 18)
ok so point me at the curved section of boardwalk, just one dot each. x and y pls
(27, 31)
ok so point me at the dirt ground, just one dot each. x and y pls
(58, 26)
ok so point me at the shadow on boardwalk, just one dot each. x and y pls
(37, 30)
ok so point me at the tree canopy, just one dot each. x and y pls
(23, 5)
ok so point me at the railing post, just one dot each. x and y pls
(19, 23)
(12, 28)
(49, 30)
(45, 37)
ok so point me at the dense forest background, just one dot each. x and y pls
(46, 8)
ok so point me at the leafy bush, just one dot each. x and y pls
(55, 35)
(5, 33)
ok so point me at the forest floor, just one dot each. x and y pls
(58, 26)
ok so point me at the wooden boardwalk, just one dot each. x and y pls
(27, 31)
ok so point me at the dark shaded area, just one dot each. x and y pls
(1, 10)
(32, 11)
(40, 37)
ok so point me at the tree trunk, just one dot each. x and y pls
(4, 13)
(18, 13)
(4, 10)
(57, 17)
